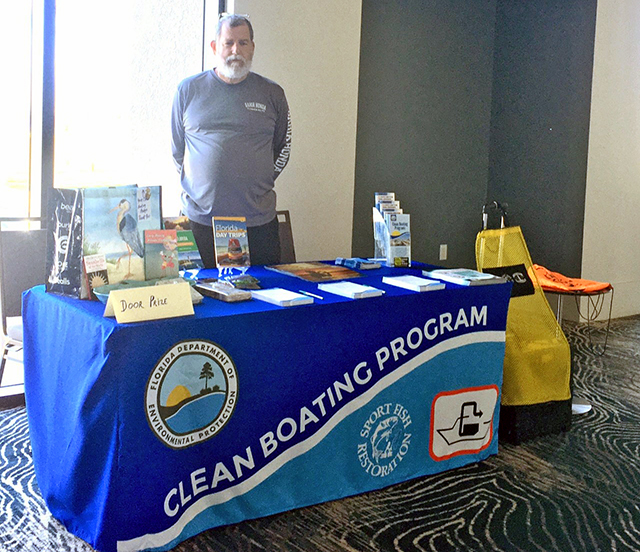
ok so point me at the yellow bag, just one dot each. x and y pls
(537, 365)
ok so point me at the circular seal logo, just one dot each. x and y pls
(385, 439)
(191, 393)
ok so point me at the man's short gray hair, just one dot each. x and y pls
(233, 20)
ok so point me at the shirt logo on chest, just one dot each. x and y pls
(255, 106)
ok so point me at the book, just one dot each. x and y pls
(95, 272)
(463, 276)
(181, 222)
(188, 253)
(160, 254)
(222, 291)
(281, 297)
(230, 241)
(149, 207)
(413, 283)
(351, 290)
(315, 271)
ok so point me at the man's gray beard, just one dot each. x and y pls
(234, 71)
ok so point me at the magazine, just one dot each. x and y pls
(231, 242)
(315, 271)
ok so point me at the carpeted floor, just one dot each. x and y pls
(578, 491)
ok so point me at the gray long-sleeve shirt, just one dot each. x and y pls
(230, 142)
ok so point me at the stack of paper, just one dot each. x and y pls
(463, 276)
(413, 283)
(281, 297)
(351, 290)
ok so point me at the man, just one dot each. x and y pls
(231, 138)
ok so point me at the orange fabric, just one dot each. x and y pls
(554, 281)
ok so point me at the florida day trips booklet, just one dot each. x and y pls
(230, 242)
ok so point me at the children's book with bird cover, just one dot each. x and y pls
(114, 222)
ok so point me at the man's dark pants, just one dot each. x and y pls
(264, 243)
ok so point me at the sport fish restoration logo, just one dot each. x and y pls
(385, 439)
(191, 393)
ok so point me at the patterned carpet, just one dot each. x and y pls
(578, 491)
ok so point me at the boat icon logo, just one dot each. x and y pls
(462, 421)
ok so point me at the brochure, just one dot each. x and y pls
(399, 244)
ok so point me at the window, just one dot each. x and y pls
(117, 66)
(15, 37)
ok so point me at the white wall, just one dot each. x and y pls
(312, 49)
(611, 250)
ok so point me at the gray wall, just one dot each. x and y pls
(543, 67)
(454, 98)
(423, 120)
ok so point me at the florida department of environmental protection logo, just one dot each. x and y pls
(191, 393)
(385, 439)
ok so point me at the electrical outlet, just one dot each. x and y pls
(443, 251)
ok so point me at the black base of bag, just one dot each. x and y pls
(523, 423)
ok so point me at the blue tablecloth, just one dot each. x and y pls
(146, 434)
